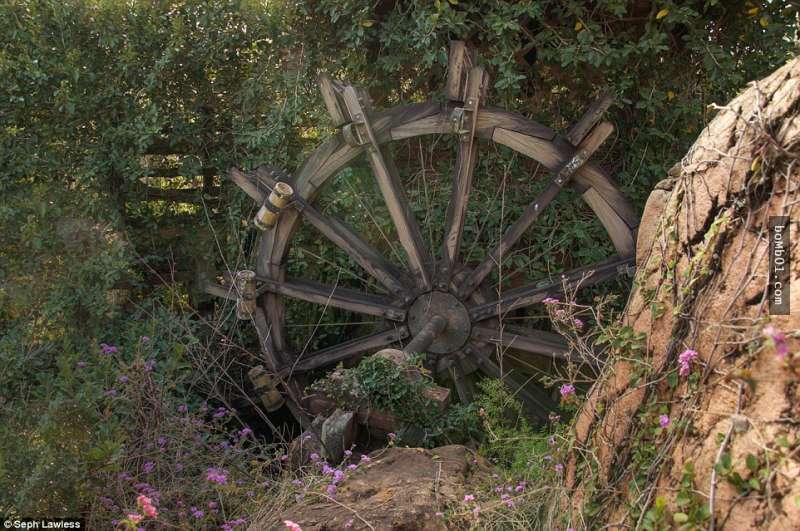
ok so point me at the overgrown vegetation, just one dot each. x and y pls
(116, 123)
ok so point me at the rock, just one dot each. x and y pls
(401, 488)
(337, 434)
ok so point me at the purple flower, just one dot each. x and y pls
(111, 392)
(663, 421)
(352, 467)
(148, 467)
(297, 483)
(331, 490)
(348, 453)
(520, 487)
(559, 468)
(566, 390)
(338, 476)
(107, 349)
(348, 524)
(391, 435)
(778, 340)
(244, 432)
(149, 365)
(122, 379)
(469, 498)
(212, 505)
(162, 441)
(183, 408)
(178, 467)
(314, 456)
(327, 469)
(145, 339)
(578, 323)
(216, 475)
(220, 412)
(197, 513)
(685, 360)
(81, 364)
(365, 459)
(284, 457)
(124, 476)
(550, 300)
(551, 440)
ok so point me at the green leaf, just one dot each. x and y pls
(680, 518)
(752, 462)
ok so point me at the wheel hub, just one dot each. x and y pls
(458, 327)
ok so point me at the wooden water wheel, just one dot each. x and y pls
(423, 283)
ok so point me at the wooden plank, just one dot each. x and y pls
(364, 254)
(535, 293)
(337, 297)
(408, 231)
(621, 235)
(460, 61)
(533, 341)
(217, 290)
(531, 213)
(462, 178)
(464, 388)
(589, 119)
(348, 349)
(248, 185)
(330, 96)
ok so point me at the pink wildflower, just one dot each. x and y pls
(778, 340)
(550, 300)
(578, 323)
(291, 526)
(331, 490)
(183, 408)
(566, 390)
(559, 468)
(348, 524)
(352, 467)
(391, 436)
(663, 421)
(81, 364)
(148, 467)
(197, 513)
(365, 458)
(314, 456)
(244, 432)
(145, 339)
(216, 475)
(468, 498)
(685, 361)
(135, 518)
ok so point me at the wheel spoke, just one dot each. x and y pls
(463, 173)
(535, 293)
(356, 248)
(495, 257)
(533, 341)
(327, 295)
(464, 388)
(338, 232)
(346, 350)
(386, 174)
(537, 401)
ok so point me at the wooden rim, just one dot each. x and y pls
(523, 136)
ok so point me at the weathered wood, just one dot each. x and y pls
(424, 338)
(531, 213)
(463, 385)
(464, 169)
(348, 349)
(589, 119)
(620, 233)
(533, 341)
(330, 90)
(364, 254)
(245, 284)
(389, 183)
(337, 297)
(224, 292)
(460, 61)
(533, 294)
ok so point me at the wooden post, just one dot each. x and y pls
(246, 289)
